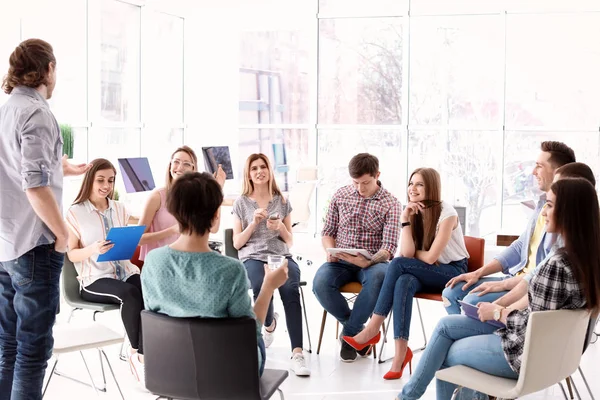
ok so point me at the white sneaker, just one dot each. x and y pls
(268, 337)
(137, 369)
(299, 365)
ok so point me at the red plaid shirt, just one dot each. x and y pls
(370, 223)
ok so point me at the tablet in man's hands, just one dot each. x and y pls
(334, 251)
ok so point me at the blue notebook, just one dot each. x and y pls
(125, 239)
(471, 311)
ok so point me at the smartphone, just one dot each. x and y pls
(274, 216)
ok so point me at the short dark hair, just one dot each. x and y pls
(363, 163)
(576, 170)
(560, 153)
(28, 65)
(194, 200)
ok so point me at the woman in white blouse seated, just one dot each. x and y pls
(89, 219)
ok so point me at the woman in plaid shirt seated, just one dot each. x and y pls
(557, 283)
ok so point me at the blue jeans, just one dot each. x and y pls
(326, 287)
(290, 297)
(458, 340)
(29, 297)
(452, 295)
(403, 279)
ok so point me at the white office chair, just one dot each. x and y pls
(69, 338)
(552, 352)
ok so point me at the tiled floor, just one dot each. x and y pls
(331, 379)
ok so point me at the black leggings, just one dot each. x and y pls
(129, 295)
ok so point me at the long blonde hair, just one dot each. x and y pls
(248, 185)
(425, 223)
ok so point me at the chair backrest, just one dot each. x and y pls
(230, 251)
(590, 332)
(200, 358)
(552, 351)
(135, 259)
(70, 284)
(299, 197)
(476, 249)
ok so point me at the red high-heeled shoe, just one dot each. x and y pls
(407, 360)
(359, 346)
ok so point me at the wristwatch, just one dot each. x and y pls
(403, 224)
(498, 314)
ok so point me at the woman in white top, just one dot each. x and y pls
(432, 251)
(89, 219)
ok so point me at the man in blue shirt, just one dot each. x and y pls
(524, 254)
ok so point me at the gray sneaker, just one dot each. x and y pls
(347, 352)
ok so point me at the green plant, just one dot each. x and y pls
(115, 195)
(68, 139)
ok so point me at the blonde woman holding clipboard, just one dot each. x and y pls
(89, 219)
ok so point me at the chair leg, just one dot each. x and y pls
(50, 377)
(575, 388)
(89, 373)
(321, 332)
(112, 372)
(586, 383)
(71, 314)
(563, 390)
(280, 394)
(385, 332)
(568, 380)
(102, 369)
(422, 328)
(456, 393)
(122, 355)
(306, 320)
(93, 384)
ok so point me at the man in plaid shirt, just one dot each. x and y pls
(361, 216)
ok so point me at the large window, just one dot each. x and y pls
(119, 61)
(551, 74)
(456, 69)
(360, 71)
(469, 166)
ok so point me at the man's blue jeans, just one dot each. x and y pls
(326, 287)
(404, 278)
(29, 296)
(458, 340)
(452, 295)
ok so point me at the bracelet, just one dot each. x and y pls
(403, 224)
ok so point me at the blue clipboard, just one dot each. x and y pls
(125, 239)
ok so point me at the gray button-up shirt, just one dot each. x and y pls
(30, 156)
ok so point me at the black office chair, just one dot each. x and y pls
(232, 252)
(205, 358)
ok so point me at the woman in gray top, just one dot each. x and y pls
(263, 227)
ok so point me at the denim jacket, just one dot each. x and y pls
(516, 256)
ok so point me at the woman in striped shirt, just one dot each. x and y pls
(89, 219)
